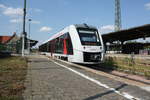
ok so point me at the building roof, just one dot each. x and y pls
(33, 42)
(4, 39)
(128, 34)
(13, 38)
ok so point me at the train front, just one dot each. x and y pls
(91, 48)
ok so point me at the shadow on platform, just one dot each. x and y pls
(105, 93)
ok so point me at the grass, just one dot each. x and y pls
(12, 75)
(130, 65)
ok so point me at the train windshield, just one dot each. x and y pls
(89, 37)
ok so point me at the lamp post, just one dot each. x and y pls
(29, 35)
(24, 33)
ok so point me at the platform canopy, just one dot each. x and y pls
(33, 42)
(128, 34)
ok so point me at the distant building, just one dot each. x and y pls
(129, 48)
(4, 39)
(13, 43)
(8, 43)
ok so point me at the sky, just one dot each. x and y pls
(51, 16)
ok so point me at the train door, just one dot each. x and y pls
(68, 49)
(65, 51)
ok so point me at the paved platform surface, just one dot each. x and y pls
(53, 80)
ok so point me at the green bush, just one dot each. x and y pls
(2, 47)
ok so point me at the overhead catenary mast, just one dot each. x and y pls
(118, 25)
(24, 33)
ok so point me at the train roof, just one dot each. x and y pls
(56, 35)
(65, 29)
(85, 26)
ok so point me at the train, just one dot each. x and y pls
(78, 43)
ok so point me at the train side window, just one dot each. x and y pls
(59, 45)
(53, 46)
(50, 46)
(69, 44)
(47, 47)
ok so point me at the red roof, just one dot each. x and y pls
(4, 39)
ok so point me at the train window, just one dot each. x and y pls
(50, 46)
(52, 43)
(61, 38)
(89, 37)
(59, 45)
(68, 44)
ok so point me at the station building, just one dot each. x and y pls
(12, 44)
(121, 41)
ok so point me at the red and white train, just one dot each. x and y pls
(79, 43)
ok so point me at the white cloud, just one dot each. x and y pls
(20, 20)
(2, 6)
(35, 10)
(107, 28)
(12, 12)
(45, 29)
(15, 20)
(147, 6)
(35, 22)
